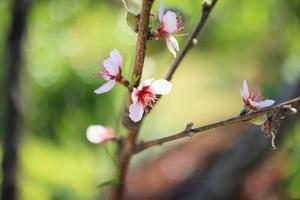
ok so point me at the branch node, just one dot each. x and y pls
(290, 109)
(188, 129)
(206, 4)
(195, 41)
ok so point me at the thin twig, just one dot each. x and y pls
(233, 120)
(206, 10)
(190, 43)
(126, 84)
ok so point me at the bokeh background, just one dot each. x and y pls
(63, 47)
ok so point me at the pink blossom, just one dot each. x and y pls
(111, 72)
(254, 101)
(170, 23)
(98, 134)
(145, 96)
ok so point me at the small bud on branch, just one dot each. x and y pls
(98, 134)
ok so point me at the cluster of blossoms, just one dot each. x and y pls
(143, 97)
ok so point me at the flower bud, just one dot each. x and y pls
(98, 134)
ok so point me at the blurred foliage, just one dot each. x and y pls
(65, 44)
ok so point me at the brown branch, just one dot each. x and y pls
(126, 84)
(206, 10)
(189, 131)
(128, 144)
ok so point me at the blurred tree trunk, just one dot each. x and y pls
(12, 116)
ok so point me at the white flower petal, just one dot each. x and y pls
(161, 11)
(116, 57)
(266, 103)
(161, 87)
(148, 82)
(172, 45)
(105, 87)
(171, 48)
(111, 66)
(95, 133)
(145, 83)
(136, 111)
(134, 96)
(170, 22)
(245, 90)
(254, 103)
(242, 93)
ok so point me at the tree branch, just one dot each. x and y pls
(128, 144)
(189, 131)
(206, 10)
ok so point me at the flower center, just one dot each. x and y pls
(161, 33)
(146, 97)
(254, 96)
(106, 75)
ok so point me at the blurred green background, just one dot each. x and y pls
(65, 44)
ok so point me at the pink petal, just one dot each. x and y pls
(105, 87)
(161, 11)
(136, 111)
(134, 95)
(170, 22)
(145, 83)
(242, 93)
(266, 103)
(172, 45)
(253, 103)
(244, 90)
(161, 87)
(116, 57)
(98, 134)
(111, 66)
(148, 82)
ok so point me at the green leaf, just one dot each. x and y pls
(113, 182)
(132, 21)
